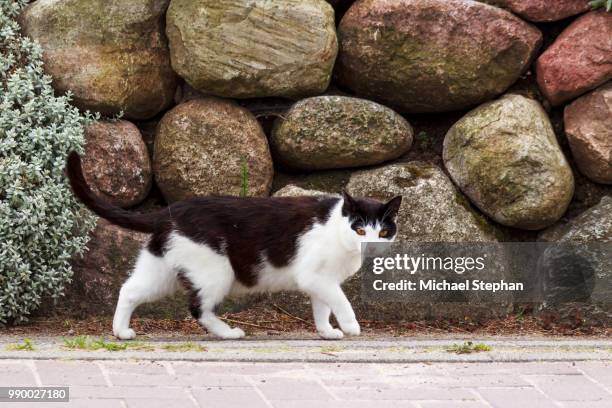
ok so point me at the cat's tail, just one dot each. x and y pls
(116, 215)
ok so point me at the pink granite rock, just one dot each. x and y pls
(546, 10)
(588, 125)
(579, 60)
(116, 162)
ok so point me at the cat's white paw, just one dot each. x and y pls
(331, 334)
(351, 328)
(235, 333)
(125, 334)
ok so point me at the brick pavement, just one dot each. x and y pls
(168, 384)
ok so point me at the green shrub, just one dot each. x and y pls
(41, 224)
(607, 4)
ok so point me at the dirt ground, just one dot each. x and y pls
(277, 321)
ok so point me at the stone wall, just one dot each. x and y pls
(493, 120)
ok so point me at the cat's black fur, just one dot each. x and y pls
(241, 228)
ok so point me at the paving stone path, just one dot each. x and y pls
(207, 384)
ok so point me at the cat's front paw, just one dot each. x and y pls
(331, 334)
(351, 328)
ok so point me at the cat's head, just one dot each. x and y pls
(369, 220)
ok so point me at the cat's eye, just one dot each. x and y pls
(361, 231)
(383, 233)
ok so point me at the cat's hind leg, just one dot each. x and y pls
(151, 280)
(218, 327)
(207, 289)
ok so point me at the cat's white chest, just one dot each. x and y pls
(341, 264)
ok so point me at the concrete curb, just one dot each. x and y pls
(347, 351)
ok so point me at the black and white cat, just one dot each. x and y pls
(220, 246)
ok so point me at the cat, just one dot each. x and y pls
(220, 246)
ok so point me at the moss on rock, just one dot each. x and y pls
(329, 132)
(505, 157)
(111, 54)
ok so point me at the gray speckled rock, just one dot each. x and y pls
(595, 224)
(116, 162)
(432, 55)
(202, 147)
(505, 157)
(111, 54)
(250, 49)
(327, 132)
(432, 209)
(588, 126)
(295, 191)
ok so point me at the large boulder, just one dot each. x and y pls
(327, 132)
(111, 54)
(211, 146)
(432, 209)
(505, 157)
(546, 10)
(579, 60)
(588, 126)
(250, 49)
(116, 162)
(432, 55)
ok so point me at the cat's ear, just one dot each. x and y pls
(349, 206)
(392, 207)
